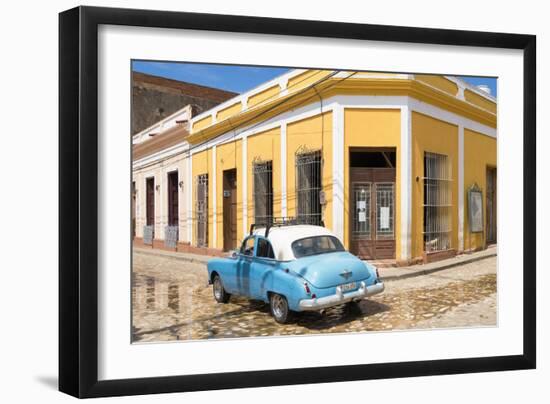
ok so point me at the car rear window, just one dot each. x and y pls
(316, 245)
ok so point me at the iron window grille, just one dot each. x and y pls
(263, 191)
(201, 210)
(308, 187)
(437, 202)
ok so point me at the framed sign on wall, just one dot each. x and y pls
(264, 197)
(475, 209)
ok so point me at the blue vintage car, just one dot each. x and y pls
(293, 268)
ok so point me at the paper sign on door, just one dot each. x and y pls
(384, 217)
(362, 207)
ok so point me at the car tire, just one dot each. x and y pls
(279, 308)
(353, 306)
(220, 294)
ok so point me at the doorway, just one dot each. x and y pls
(491, 207)
(229, 209)
(133, 209)
(372, 203)
(150, 202)
(149, 228)
(173, 202)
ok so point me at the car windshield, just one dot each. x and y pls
(316, 245)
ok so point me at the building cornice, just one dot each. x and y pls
(168, 138)
(353, 86)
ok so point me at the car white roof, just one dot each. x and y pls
(281, 238)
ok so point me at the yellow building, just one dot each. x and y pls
(393, 164)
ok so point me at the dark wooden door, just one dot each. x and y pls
(173, 203)
(491, 208)
(150, 202)
(372, 212)
(229, 209)
(133, 198)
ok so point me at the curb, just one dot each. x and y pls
(428, 271)
(174, 257)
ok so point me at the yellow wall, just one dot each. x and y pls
(314, 133)
(435, 136)
(202, 164)
(228, 156)
(372, 128)
(230, 110)
(480, 101)
(268, 94)
(264, 146)
(439, 82)
(480, 152)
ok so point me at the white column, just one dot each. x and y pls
(338, 171)
(244, 181)
(283, 170)
(182, 202)
(461, 188)
(137, 203)
(158, 205)
(163, 203)
(214, 200)
(406, 182)
(188, 187)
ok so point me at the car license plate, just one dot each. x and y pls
(346, 287)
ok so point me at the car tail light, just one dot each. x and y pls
(306, 287)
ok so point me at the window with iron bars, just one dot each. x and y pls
(308, 187)
(437, 202)
(201, 210)
(263, 191)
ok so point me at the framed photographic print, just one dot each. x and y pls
(251, 201)
(475, 207)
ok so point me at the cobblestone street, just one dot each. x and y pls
(172, 301)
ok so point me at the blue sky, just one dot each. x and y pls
(237, 78)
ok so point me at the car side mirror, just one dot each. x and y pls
(234, 254)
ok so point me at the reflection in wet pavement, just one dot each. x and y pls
(165, 310)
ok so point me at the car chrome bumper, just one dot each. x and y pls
(340, 298)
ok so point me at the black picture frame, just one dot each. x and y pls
(78, 200)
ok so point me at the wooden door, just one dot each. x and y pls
(173, 203)
(133, 198)
(229, 209)
(372, 212)
(491, 205)
(150, 202)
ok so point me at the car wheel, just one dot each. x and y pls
(220, 294)
(279, 308)
(353, 307)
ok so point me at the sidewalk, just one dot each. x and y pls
(387, 274)
(201, 259)
(391, 274)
